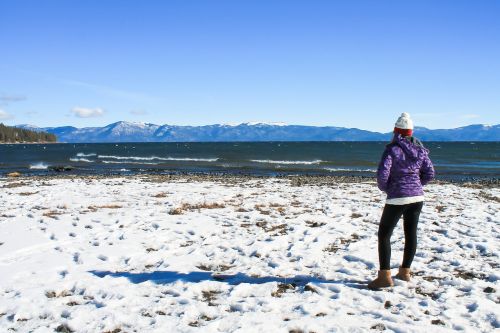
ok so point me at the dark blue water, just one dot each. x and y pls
(452, 160)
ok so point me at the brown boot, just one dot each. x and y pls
(403, 274)
(383, 280)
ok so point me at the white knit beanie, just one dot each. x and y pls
(404, 121)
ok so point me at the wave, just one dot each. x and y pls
(85, 155)
(349, 170)
(156, 158)
(39, 166)
(287, 162)
(129, 162)
(80, 160)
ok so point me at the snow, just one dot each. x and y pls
(27, 126)
(129, 128)
(259, 123)
(253, 123)
(260, 255)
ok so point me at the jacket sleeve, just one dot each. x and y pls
(384, 170)
(427, 172)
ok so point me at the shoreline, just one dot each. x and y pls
(28, 143)
(229, 178)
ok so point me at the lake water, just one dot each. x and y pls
(452, 160)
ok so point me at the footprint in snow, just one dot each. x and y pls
(352, 258)
(77, 259)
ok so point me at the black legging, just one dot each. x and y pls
(390, 217)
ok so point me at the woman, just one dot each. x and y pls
(404, 168)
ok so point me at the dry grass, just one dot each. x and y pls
(425, 293)
(190, 207)
(15, 184)
(27, 193)
(176, 211)
(53, 294)
(202, 317)
(314, 224)
(94, 208)
(52, 214)
(160, 195)
(280, 210)
(214, 268)
(334, 247)
(469, 275)
(272, 206)
(110, 206)
(440, 208)
(489, 197)
(209, 296)
(283, 288)
(261, 224)
(264, 212)
(209, 206)
(310, 288)
(280, 229)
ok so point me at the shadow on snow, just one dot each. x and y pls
(164, 277)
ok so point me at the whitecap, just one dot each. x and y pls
(190, 159)
(129, 162)
(157, 158)
(287, 162)
(80, 160)
(39, 166)
(349, 170)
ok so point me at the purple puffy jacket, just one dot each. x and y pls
(404, 168)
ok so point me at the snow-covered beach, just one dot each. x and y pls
(182, 254)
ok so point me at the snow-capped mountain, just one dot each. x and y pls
(123, 131)
(466, 133)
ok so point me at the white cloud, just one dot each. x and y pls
(4, 115)
(470, 116)
(5, 99)
(87, 112)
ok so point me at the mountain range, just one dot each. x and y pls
(124, 131)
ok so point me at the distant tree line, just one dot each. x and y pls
(13, 134)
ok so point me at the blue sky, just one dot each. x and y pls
(341, 63)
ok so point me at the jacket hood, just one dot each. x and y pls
(412, 147)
